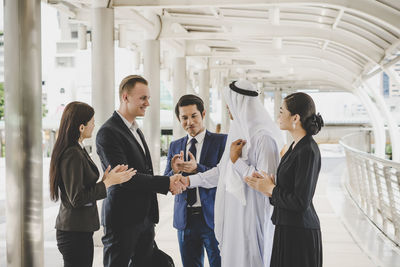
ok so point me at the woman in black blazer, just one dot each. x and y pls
(297, 238)
(73, 178)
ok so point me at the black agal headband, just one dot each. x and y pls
(242, 91)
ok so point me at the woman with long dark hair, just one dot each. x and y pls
(297, 239)
(73, 178)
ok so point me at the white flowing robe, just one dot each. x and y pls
(244, 232)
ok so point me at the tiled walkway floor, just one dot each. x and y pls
(337, 213)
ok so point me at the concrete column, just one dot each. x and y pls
(179, 89)
(225, 120)
(376, 121)
(23, 125)
(103, 77)
(151, 126)
(103, 73)
(82, 40)
(277, 102)
(189, 87)
(204, 92)
(136, 60)
(391, 122)
(262, 96)
(122, 36)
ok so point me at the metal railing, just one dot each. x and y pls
(374, 184)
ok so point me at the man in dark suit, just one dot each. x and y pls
(199, 151)
(131, 209)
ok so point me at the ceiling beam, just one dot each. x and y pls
(338, 18)
(369, 8)
(353, 42)
(269, 53)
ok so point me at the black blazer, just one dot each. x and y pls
(297, 177)
(79, 192)
(129, 203)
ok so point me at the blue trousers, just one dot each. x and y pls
(192, 241)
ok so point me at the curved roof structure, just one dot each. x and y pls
(329, 45)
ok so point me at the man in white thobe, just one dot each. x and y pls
(243, 224)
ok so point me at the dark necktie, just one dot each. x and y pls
(191, 194)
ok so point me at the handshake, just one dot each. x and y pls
(178, 183)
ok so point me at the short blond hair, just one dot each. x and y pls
(129, 82)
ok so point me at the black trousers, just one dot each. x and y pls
(76, 248)
(129, 246)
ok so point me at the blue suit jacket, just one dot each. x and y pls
(211, 153)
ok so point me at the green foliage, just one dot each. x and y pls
(388, 151)
(44, 109)
(1, 101)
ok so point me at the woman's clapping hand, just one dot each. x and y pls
(118, 175)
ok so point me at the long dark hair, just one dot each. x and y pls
(75, 114)
(302, 104)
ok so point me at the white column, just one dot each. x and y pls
(179, 89)
(189, 87)
(151, 125)
(391, 122)
(122, 36)
(103, 77)
(277, 102)
(136, 61)
(82, 40)
(376, 121)
(262, 96)
(190, 82)
(225, 120)
(204, 92)
(23, 126)
(103, 73)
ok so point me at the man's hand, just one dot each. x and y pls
(188, 166)
(175, 185)
(185, 180)
(236, 149)
(176, 161)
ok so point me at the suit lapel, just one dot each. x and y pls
(91, 163)
(146, 148)
(206, 144)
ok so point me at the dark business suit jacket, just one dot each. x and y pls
(212, 150)
(297, 177)
(131, 202)
(79, 192)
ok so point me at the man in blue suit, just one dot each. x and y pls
(197, 152)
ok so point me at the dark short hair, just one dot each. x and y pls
(129, 82)
(302, 104)
(188, 100)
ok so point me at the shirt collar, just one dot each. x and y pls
(132, 126)
(81, 145)
(199, 137)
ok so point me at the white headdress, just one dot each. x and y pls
(249, 119)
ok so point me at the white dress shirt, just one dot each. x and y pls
(199, 145)
(133, 127)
